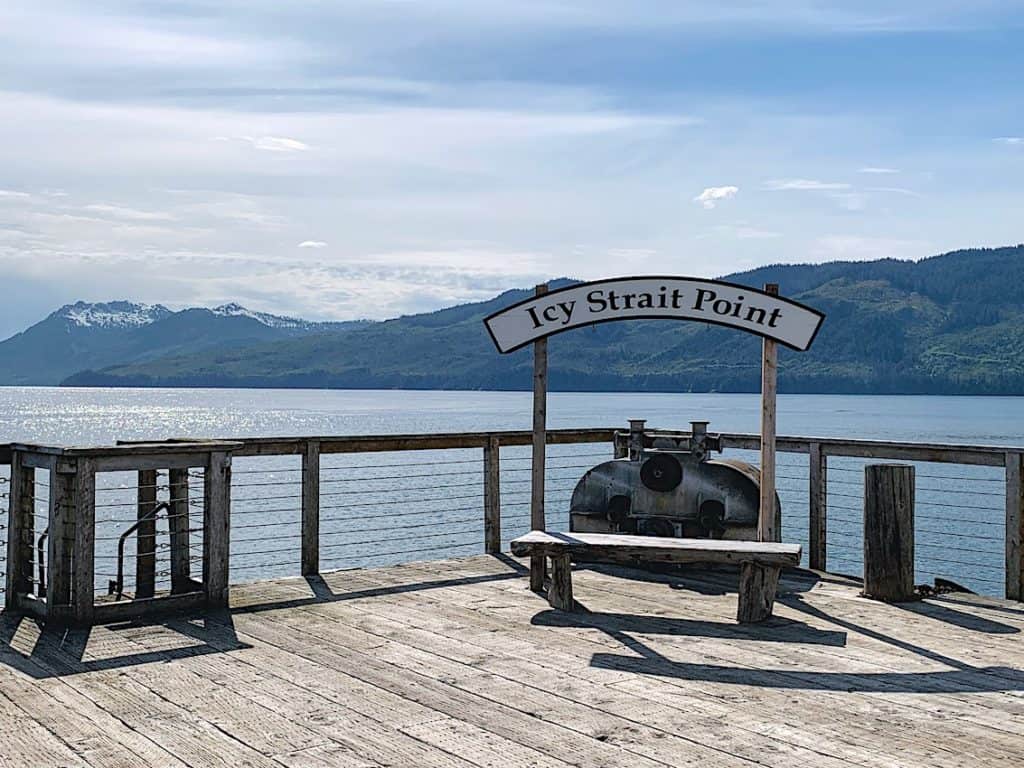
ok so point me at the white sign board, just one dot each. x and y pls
(629, 298)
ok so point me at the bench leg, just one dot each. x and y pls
(538, 572)
(560, 591)
(757, 592)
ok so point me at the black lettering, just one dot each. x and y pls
(646, 301)
(677, 296)
(703, 294)
(774, 317)
(532, 312)
(596, 301)
(755, 311)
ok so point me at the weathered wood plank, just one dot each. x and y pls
(655, 548)
(756, 592)
(84, 546)
(20, 532)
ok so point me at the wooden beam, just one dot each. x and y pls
(178, 526)
(538, 565)
(889, 532)
(311, 509)
(145, 535)
(1014, 526)
(83, 586)
(492, 496)
(217, 528)
(817, 555)
(767, 528)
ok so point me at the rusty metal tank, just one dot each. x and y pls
(670, 487)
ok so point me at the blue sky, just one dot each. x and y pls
(376, 157)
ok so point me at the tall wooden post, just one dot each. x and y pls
(889, 532)
(1014, 526)
(145, 535)
(540, 412)
(20, 531)
(60, 541)
(217, 528)
(492, 496)
(817, 555)
(178, 528)
(767, 528)
(311, 508)
(84, 561)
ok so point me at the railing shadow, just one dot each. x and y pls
(324, 593)
(60, 652)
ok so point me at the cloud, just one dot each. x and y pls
(1010, 141)
(877, 169)
(131, 214)
(711, 196)
(12, 195)
(273, 143)
(781, 185)
(312, 244)
(862, 248)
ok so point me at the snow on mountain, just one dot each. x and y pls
(113, 314)
(272, 321)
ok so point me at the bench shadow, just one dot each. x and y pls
(60, 652)
(775, 630)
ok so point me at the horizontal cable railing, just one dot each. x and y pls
(301, 505)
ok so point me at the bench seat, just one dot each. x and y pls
(760, 562)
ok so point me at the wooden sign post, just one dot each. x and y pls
(767, 530)
(761, 312)
(538, 563)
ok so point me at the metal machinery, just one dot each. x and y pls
(668, 486)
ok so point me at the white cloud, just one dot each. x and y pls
(779, 185)
(711, 196)
(877, 169)
(312, 244)
(1012, 141)
(11, 194)
(276, 143)
(862, 248)
(131, 214)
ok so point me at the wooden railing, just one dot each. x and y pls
(67, 590)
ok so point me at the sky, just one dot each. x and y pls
(371, 158)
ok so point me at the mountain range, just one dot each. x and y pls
(949, 324)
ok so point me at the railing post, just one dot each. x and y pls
(492, 496)
(217, 527)
(145, 535)
(1014, 526)
(817, 555)
(889, 532)
(311, 508)
(20, 531)
(60, 541)
(84, 562)
(178, 528)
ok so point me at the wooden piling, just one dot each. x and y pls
(889, 532)
(83, 587)
(768, 528)
(817, 555)
(20, 531)
(1014, 526)
(217, 528)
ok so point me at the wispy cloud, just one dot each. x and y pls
(130, 214)
(312, 244)
(277, 143)
(782, 185)
(877, 169)
(1012, 141)
(711, 196)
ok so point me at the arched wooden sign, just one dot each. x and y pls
(679, 298)
(764, 313)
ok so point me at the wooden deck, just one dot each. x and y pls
(456, 663)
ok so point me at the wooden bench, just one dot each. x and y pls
(760, 562)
